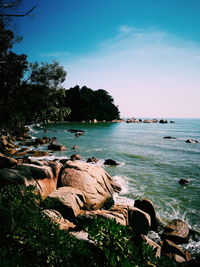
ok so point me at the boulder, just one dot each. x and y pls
(183, 181)
(56, 217)
(56, 147)
(147, 206)
(92, 160)
(110, 162)
(7, 162)
(173, 251)
(75, 157)
(44, 177)
(177, 231)
(169, 137)
(96, 184)
(153, 244)
(192, 141)
(119, 213)
(163, 121)
(139, 220)
(68, 201)
(40, 154)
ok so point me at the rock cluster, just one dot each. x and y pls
(76, 190)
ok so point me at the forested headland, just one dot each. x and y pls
(34, 93)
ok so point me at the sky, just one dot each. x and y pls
(145, 53)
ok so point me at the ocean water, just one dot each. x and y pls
(150, 166)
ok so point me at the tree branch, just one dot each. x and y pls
(19, 15)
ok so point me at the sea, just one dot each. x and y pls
(150, 166)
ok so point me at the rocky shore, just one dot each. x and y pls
(77, 190)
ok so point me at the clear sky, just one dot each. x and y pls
(145, 53)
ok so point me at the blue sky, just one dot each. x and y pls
(145, 53)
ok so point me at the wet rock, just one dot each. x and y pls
(56, 147)
(110, 162)
(169, 137)
(177, 231)
(147, 206)
(139, 221)
(192, 141)
(40, 153)
(92, 160)
(163, 121)
(93, 181)
(75, 147)
(183, 181)
(75, 131)
(75, 157)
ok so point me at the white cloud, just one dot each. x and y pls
(125, 29)
(148, 72)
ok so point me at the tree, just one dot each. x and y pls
(12, 68)
(51, 75)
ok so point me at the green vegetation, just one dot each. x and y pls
(33, 92)
(29, 238)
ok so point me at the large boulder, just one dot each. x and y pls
(139, 221)
(44, 177)
(68, 201)
(177, 231)
(173, 251)
(96, 184)
(7, 162)
(147, 206)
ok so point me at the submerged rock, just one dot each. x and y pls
(183, 181)
(192, 141)
(110, 162)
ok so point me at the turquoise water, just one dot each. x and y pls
(150, 166)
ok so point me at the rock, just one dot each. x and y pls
(56, 217)
(177, 231)
(110, 162)
(92, 160)
(7, 162)
(119, 213)
(183, 181)
(192, 141)
(75, 157)
(75, 147)
(40, 154)
(75, 131)
(169, 137)
(147, 206)
(153, 244)
(96, 184)
(68, 201)
(139, 221)
(81, 235)
(44, 178)
(173, 251)
(56, 147)
(63, 161)
(163, 121)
